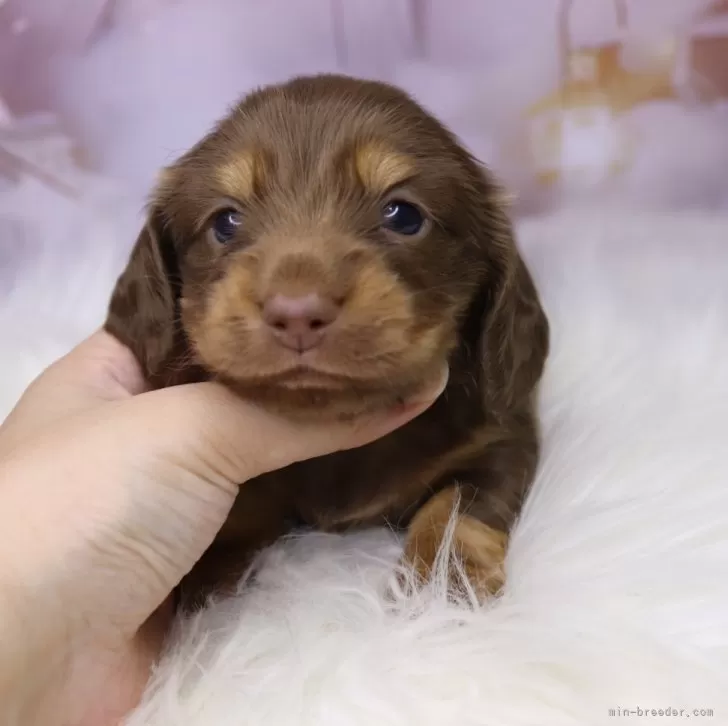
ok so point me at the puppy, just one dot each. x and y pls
(323, 251)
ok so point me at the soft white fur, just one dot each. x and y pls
(617, 593)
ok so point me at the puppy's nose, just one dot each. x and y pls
(299, 323)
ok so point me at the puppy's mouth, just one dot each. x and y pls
(306, 375)
(308, 389)
(352, 370)
(309, 372)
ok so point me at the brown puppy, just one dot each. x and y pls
(323, 251)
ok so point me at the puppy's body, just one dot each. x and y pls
(491, 459)
(324, 251)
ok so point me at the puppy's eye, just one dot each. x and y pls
(402, 218)
(225, 225)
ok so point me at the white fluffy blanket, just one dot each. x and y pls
(617, 596)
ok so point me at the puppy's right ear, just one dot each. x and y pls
(143, 309)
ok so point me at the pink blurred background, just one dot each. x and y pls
(569, 101)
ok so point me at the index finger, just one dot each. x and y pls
(98, 370)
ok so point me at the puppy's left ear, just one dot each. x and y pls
(142, 311)
(514, 340)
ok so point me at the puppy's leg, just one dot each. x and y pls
(481, 549)
(484, 504)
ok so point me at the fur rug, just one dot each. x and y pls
(617, 593)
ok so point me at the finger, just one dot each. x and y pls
(98, 370)
(232, 440)
(99, 366)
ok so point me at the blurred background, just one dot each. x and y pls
(570, 102)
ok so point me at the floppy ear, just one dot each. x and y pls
(143, 309)
(514, 338)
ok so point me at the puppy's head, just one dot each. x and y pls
(322, 250)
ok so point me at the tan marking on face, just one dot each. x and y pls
(380, 301)
(480, 548)
(379, 296)
(210, 329)
(239, 177)
(380, 168)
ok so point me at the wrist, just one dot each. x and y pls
(31, 656)
(25, 662)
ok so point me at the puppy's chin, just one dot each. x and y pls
(304, 401)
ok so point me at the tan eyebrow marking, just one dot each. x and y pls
(238, 178)
(380, 168)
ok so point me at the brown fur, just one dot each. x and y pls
(380, 168)
(309, 164)
(480, 549)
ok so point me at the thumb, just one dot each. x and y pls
(228, 440)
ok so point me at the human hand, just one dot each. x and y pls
(108, 496)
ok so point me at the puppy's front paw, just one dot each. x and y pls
(477, 552)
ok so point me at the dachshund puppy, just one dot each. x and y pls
(326, 249)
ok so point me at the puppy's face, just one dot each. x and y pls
(318, 251)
